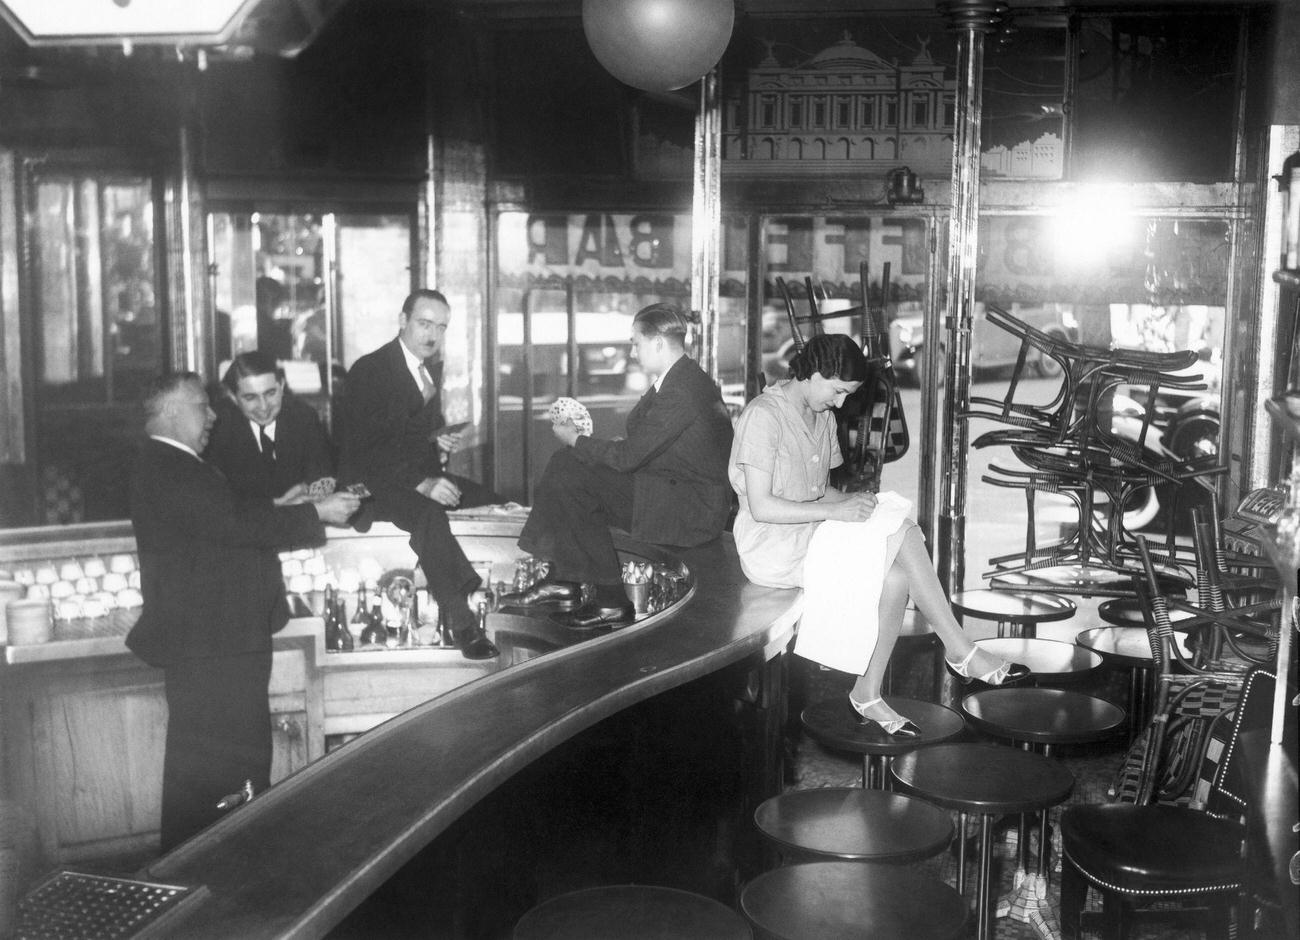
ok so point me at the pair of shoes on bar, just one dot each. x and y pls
(1002, 673)
(896, 727)
(546, 593)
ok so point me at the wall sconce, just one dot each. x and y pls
(904, 187)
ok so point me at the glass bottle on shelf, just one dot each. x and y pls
(360, 616)
(374, 633)
(331, 624)
(346, 643)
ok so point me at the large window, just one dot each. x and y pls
(93, 264)
(308, 287)
(98, 336)
(568, 286)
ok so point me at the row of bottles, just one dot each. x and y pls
(368, 628)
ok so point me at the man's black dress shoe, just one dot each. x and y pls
(594, 616)
(557, 595)
(476, 645)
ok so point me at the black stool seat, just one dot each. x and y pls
(1048, 660)
(835, 900)
(1023, 610)
(1085, 579)
(1042, 716)
(988, 779)
(1129, 648)
(852, 824)
(834, 724)
(1144, 849)
(632, 912)
(1127, 612)
(1124, 646)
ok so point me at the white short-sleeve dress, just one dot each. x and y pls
(840, 621)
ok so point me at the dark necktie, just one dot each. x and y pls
(268, 448)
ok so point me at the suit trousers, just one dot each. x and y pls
(446, 569)
(218, 736)
(574, 506)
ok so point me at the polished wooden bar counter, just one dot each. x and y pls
(298, 858)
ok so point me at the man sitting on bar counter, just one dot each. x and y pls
(666, 483)
(213, 595)
(266, 441)
(394, 440)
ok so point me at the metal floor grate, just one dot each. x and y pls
(71, 905)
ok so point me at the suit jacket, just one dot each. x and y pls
(387, 436)
(302, 451)
(677, 446)
(209, 571)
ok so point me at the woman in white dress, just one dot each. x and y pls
(856, 555)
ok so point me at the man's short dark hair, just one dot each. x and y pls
(663, 319)
(248, 364)
(424, 293)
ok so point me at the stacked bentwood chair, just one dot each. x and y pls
(1069, 449)
(1174, 834)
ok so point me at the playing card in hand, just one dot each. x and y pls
(320, 489)
(570, 409)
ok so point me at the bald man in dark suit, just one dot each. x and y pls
(213, 596)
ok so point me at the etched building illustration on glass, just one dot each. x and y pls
(846, 106)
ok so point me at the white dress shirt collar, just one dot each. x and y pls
(177, 444)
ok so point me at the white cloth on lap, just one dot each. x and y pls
(844, 572)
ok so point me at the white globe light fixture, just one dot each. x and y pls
(658, 45)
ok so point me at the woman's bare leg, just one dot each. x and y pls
(933, 604)
(893, 602)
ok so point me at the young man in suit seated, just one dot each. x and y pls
(666, 483)
(266, 441)
(393, 440)
(213, 595)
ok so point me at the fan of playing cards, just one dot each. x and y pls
(570, 409)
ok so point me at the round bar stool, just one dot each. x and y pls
(835, 725)
(632, 912)
(1039, 719)
(915, 636)
(1048, 660)
(834, 900)
(1128, 648)
(1017, 613)
(989, 781)
(1087, 580)
(1127, 612)
(852, 824)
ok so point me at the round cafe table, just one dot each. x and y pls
(1039, 719)
(1127, 612)
(1017, 613)
(834, 724)
(1129, 648)
(1048, 660)
(989, 781)
(852, 824)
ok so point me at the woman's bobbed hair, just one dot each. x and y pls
(832, 356)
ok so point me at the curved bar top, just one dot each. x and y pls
(289, 864)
